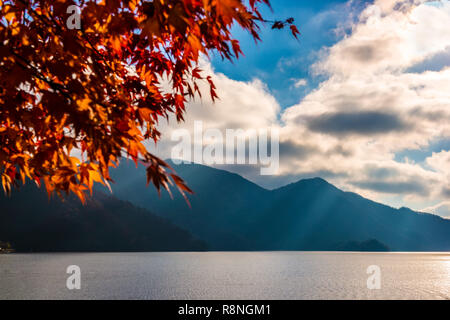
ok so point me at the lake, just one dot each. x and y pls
(226, 275)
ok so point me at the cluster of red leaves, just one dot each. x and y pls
(101, 90)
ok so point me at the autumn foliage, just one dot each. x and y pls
(74, 101)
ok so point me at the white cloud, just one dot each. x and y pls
(300, 83)
(388, 39)
(440, 161)
(241, 105)
(372, 107)
(441, 209)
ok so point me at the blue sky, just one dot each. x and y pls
(278, 60)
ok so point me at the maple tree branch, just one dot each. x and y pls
(55, 86)
(47, 21)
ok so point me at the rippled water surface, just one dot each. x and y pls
(226, 275)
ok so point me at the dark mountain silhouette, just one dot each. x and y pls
(232, 213)
(371, 245)
(33, 223)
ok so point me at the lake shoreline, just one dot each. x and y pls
(222, 251)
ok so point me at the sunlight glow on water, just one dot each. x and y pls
(226, 275)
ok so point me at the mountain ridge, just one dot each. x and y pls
(34, 223)
(230, 212)
(227, 213)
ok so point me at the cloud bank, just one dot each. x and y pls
(386, 91)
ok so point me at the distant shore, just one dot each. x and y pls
(225, 251)
(5, 251)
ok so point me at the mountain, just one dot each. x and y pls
(32, 222)
(229, 212)
(222, 209)
(371, 245)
